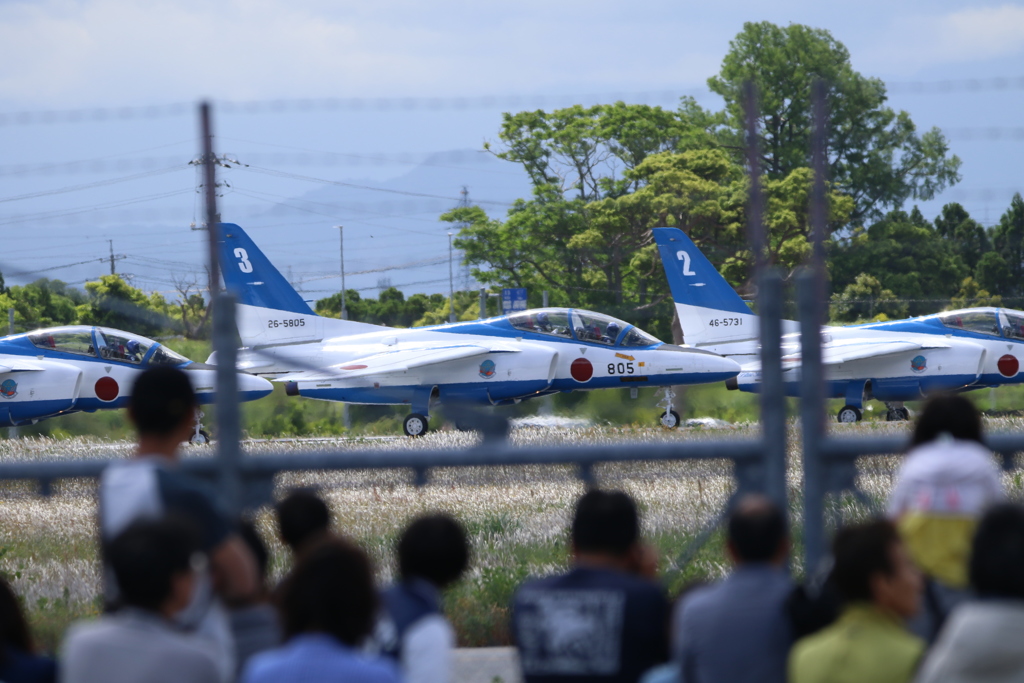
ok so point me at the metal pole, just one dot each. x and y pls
(341, 234)
(111, 242)
(483, 303)
(769, 304)
(811, 292)
(12, 432)
(451, 283)
(224, 331)
(545, 298)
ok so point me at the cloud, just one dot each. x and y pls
(69, 52)
(965, 36)
(983, 32)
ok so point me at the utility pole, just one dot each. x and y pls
(112, 271)
(451, 283)
(12, 432)
(341, 235)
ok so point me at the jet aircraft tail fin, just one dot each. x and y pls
(710, 311)
(269, 310)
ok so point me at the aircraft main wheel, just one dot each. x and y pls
(897, 415)
(669, 420)
(415, 425)
(201, 438)
(849, 414)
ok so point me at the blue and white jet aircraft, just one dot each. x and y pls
(893, 361)
(487, 362)
(62, 370)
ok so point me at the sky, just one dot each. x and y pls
(417, 71)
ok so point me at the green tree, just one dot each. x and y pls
(114, 303)
(906, 257)
(391, 308)
(866, 299)
(968, 236)
(972, 294)
(45, 303)
(993, 274)
(875, 154)
(1008, 238)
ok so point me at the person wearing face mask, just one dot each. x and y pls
(881, 589)
(156, 564)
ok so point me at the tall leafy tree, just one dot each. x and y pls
(1008, 238)
(968, 236)
(905, 257)
(875, 154)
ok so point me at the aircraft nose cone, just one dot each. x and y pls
(720, 365)
(251, 387)
(204, 381)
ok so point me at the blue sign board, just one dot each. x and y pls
(513, 300)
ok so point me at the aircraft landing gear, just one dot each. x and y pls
(415, 425)
(849, 414)
(896, 412)
(200, 436)
(669, 418)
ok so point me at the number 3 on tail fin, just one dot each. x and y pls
(681, 255)
(246, 267)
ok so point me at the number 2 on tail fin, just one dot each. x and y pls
(685, 258)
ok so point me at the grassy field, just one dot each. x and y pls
(517, 517)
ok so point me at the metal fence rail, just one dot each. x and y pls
(829, 463)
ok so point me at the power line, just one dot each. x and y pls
(448, 103)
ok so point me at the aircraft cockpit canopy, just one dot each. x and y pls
(989, 321)
(107, 344)
(585, 326)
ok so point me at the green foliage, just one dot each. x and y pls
(43, 303)
(1008, 239)
(865, 299)
(971, 294)
(114, 303)
(391, 308)
(907, 256)
(874, 153)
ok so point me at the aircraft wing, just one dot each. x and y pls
(13, 364)
(847, 350)
(399, 360)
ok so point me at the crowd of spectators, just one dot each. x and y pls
(932, 592)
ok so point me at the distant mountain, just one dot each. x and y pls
(391, 227)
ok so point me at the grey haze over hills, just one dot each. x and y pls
(392, 229)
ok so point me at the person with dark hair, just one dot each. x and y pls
(328, 603)
(738, 629)
(301, 516)
(881, 589)
(981, 640)
(255, 625)
(18, 661)
(946, 481)
(433, 552)
(148, 486)
(156, 564)
(605, 620)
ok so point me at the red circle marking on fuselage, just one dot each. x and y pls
(581, 370)
(107, 389)
(1008, 365)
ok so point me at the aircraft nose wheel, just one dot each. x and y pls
(669, 420)
(415, 425)
(200, 436)
(849, 414)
